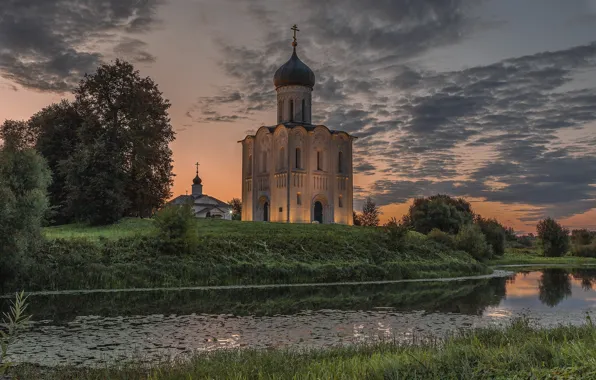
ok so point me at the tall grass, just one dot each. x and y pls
(519, 351)
(130, 255)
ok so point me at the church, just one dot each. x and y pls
(204, 206)
(297, 171)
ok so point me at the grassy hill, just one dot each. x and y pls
(127, 255)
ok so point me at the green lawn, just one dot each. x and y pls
(125, 228)
(516, 352)
(533, 256)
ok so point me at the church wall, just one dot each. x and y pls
(296, 94)
(247, 178)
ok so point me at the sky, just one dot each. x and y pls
(491, 100)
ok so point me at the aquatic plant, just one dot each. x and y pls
(12, 323)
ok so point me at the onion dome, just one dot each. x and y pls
(294, 72)
(197, 180)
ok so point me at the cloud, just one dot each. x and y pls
(49, 45)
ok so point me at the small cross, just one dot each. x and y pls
(295, 29)
(197, 165)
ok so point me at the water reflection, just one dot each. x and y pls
(88, 329)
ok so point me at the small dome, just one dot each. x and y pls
(197, 180)
(294, 73)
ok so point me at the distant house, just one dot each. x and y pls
(204, 206)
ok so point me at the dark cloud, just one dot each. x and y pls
(48, 45)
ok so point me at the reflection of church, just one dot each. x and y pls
(297, 171)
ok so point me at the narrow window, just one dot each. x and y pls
(341, 201)
(303, 110)
(340, 162)
(282, 158)
(298, 158)
(264, 162)
(291, 110)
(280, 110)
(298, 199)
(250, 164)
(319, 160)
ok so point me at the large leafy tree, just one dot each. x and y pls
(24, 177)
(123, 164)
(553, 237)
(236, 204)
(56, 130)
(439, 211)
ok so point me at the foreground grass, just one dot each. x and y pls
(127, 255)
(533, 256)
(517, 352)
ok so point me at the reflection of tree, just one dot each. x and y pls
(554, 286)
(586, 276)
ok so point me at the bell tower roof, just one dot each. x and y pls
(294, 72)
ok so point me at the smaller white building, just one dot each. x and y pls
(204, 206)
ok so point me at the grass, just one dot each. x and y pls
(127, 255)
(515, 256)
(519, 351)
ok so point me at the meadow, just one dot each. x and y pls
(519, 351)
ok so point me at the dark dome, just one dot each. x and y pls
(294, 73)
(197, 180)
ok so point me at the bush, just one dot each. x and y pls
(582, 237)
(439, 211)
(471, 239)
(176, 229)
(396, 233)
(584, 250)
(553, 237)
(494, 233)
(441, 237)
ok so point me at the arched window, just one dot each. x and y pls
(249, 164)
(291, 110)
(340, 163)
(341, 201)
(264, 166)
(303, 110)
(319, 160)
(298, 158)
(299, 199)
(280, 111)
(282, 158)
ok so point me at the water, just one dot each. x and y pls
(92, 328)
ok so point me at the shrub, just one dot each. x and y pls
(582, 237)
(176, 229)
(471, 239)
(584, 250)
(370, 213)
(441, 237)
(439, 211)
(396, 233)
(494, 233)
(553, 237)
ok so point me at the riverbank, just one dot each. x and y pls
(533, 256)
(518, 351)
(126, 255)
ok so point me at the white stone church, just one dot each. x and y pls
(296, 171)
(204, 206)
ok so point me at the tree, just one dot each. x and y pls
(123, 146)
(370, 213)
(24, 178)
(439, 211)
(56, 136)
(581, 237)
(236, 208)
(356, 218)
(176, 229)
(17, 135)
(471, 239)
(494, 233)
(553, 237)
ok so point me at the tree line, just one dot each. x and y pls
(452, 221)
(107, 152)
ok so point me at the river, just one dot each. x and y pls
(96, 327)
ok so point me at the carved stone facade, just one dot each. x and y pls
(297, 172)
